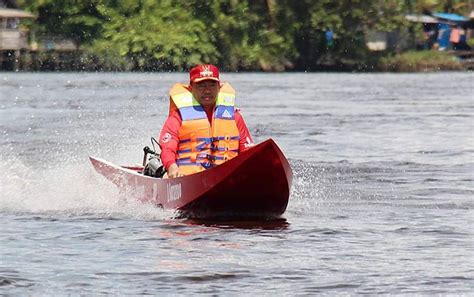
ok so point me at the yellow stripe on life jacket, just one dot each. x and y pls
(203, 145)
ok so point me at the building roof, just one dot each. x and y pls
(15, 13)
(450, 17)
(421, 18)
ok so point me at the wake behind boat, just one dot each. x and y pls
(256, 183)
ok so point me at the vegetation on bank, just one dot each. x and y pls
(420, 61)
(265, 35)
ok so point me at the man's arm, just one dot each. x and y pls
(245, 141)
(169, 140)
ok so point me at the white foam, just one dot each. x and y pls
(66, 189)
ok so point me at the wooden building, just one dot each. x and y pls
(13, 38)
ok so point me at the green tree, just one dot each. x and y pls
(154, 35)
(235, 34)
(243, 34)
(462, 7)
(305, 23)
(77, 20)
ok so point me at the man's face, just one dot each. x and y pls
(205, 92)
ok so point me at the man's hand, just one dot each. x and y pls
(173, 171)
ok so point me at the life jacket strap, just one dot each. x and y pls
(226, 138)
(183, 151)
(215, 158)
(185, 140)
(222, 149)
(206, 165)
(198, 157)
(205, 143)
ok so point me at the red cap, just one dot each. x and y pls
(204, 72)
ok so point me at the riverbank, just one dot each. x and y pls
(422, 61)
(81, 60)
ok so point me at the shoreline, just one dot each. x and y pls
(409, 62)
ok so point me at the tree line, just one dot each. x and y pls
(270, 35)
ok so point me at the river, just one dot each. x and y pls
(381, 203)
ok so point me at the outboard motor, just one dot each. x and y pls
(153, 167)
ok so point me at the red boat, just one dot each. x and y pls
(256, 183)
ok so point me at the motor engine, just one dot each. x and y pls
(153, 167)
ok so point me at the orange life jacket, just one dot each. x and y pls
(203, 145)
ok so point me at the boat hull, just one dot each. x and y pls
(256, 183)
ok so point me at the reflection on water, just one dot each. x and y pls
(270, 224)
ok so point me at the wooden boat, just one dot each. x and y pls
(256, 183)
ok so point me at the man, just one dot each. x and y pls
(203, 128)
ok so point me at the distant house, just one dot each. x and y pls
(441, 30)
(382, 41)
(13, 38)
(444, 30)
